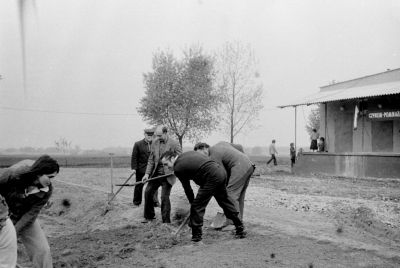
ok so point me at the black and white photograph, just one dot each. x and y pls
(199, 133)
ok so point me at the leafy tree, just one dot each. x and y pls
(63, 146)
(180, 94)
(313, 120)
(239, 85)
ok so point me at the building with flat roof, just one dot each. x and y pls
(360, 121)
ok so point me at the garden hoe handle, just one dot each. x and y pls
(182, 224)
(120, 188)
(140, 182)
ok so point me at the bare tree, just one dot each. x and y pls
(63, 146)
(240, 88)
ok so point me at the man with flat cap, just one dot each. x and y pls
(140, 156)
(162, 143)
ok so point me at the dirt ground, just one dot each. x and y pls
(292, 221)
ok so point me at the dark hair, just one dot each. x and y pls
(168, 154)
(322, 138)
(201, 146)
(164, 129)
(315, 130)
(44, 165)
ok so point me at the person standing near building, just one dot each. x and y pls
(211, 177)
(238, 166)
(314, 140)
(26, 187)
(273, 152)
(8, 237)
(155, 168)
(140, 157)
(292, 152)
(321, 145)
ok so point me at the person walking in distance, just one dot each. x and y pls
(155, 168)
(292, 152)
(273, 152)
(26, 187)
(140, 156)
(211, 177)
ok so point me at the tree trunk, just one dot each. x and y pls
(180, 138)
(232, 111)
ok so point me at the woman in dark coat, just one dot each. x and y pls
(26, 187)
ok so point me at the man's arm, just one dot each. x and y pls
(135, 152)
(150, 162)
(29, 217)
(188, 189)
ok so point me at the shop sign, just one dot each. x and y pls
(383, 115)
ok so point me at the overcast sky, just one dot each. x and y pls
(85, 60)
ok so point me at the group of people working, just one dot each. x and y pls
(222, 171)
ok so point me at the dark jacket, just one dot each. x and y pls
(140, 156)
(194, 166)
(23, 209)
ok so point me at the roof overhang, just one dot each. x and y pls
(348, 94)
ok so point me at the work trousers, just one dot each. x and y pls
(272, 158)
(151, 189)
(36, 245)
(138, 191)
(237, 185)
(8, 245)
(214, 186)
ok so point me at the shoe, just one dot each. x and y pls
(147, 220)
(198, 243)
(157, 205)
(241, 235)
(193, 245)
(197, 234)
(240, 232)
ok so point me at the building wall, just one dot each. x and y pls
(327, 130)
(349, 164)
(336, 126)
(396, 136)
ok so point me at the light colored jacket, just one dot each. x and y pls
(272, 149)
(155, 154)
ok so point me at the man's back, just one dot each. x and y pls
(229, 156)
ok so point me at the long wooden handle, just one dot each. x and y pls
(140, 182)
(182, 224)
(120, 188)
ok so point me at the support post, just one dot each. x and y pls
(295, 128)
(111, 172)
